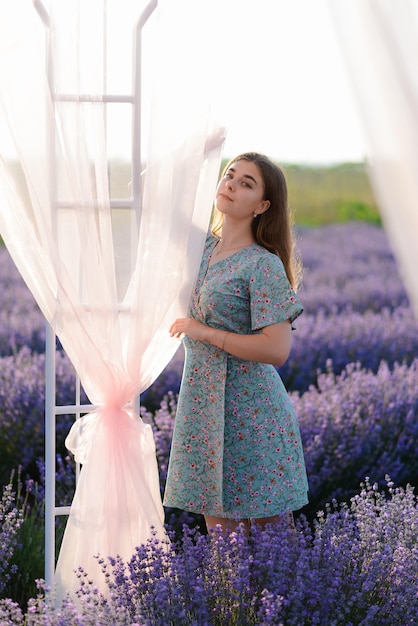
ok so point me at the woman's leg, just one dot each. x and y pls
(231, 525)
(262, 522)
(227, 525)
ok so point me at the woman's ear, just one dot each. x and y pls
(264, 205)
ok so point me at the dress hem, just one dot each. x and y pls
(291, 508)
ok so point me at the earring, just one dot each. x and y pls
(254, 214)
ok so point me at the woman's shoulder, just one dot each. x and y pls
(209, 243)
(262, 257)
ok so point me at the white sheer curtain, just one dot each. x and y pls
(379, 39)
(109, 279)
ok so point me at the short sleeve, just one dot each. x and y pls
(272, 299)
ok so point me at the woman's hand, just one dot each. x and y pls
(190, 327)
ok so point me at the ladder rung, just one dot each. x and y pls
(87, 97)
(74, 408)
(62, 510)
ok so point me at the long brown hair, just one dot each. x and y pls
(272, 229)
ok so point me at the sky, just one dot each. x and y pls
(298, 105)
(281, 86)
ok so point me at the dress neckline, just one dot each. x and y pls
(210, 265)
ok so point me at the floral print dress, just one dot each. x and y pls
(236, 449)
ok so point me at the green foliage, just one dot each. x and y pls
(329, 194)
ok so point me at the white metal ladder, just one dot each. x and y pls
(134, 202)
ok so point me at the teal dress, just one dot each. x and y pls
(236, 449)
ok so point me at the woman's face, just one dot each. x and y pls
(240, 192)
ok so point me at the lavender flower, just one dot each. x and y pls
(22, 408)
(349, 266)
(11, 519)
(349, 337)
(352, 376)
(356, 564)
(10, 613)
(359, 424)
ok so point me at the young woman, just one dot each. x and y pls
(236, 453)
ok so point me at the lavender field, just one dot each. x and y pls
(353, 379)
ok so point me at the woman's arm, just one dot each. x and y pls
(272, 345)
